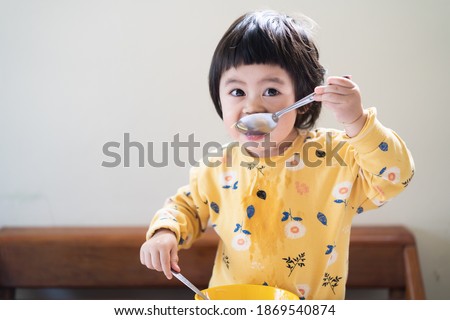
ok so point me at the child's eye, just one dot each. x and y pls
(271, 92)
(237, 93)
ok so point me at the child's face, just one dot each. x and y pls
(258, 88)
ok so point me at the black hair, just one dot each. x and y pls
(269, 37)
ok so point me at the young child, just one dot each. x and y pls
(282, 208)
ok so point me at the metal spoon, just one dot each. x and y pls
(264, 123)
(189, 284)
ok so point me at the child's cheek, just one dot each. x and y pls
(229, 123)
(287, 122)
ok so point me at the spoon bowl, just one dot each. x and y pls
(264, 123)
(257, 123)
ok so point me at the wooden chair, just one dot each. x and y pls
(385, 257)
(108, 258)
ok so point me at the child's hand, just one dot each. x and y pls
(342, 96)
(160, 252)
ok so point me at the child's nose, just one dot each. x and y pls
(254, 106)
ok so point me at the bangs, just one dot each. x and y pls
(258, 44)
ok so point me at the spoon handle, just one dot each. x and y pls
(189, 284)
(308, 99)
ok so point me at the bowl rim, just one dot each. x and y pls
(261, 286)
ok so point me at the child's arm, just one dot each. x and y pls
(381, 161)
(379, 157)
(175, 226)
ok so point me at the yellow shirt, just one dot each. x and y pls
(285, 221)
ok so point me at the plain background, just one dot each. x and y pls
(75, 75)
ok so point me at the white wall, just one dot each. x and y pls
(77, 74)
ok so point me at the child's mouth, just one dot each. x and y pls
(255, 136)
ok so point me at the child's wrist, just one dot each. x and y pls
(346, 124)
(354, 127)
(163, 231)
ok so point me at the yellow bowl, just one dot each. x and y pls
(247, 292)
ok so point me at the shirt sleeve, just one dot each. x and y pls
(185, 213)
(385, 164)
